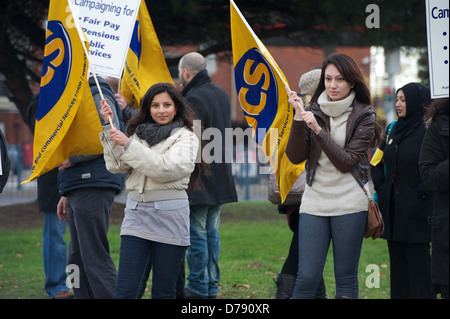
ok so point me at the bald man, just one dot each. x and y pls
(212, 107)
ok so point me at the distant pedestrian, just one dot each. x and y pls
(5, 165)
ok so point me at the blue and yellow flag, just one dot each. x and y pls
(260, 86)
(67, 122)
(145, 64)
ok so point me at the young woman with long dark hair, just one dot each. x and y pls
(159, 155)
(333, 134)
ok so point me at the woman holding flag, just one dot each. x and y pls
(333, 135)
(158, 154)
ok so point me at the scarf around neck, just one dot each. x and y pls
(335, 108)
(154, 133)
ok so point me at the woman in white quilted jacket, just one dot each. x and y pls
(158, 154)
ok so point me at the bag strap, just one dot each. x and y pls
(362, 187)
(390, 129)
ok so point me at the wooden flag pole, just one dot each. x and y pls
(99, 90)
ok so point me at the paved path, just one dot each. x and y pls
(11, 195)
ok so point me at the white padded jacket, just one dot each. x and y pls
(160, 172)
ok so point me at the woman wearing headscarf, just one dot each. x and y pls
(403, 200)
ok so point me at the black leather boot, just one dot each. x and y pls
(285, 286)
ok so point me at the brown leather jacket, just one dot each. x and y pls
(303, 144)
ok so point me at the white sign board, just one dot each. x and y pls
(437, 33)
(108, 25)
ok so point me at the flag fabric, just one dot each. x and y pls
(67, 122)
(260, 86)
(145, 64)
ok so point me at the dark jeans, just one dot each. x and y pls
(290, 266)
(137, 257)
(88, 213)
(315, 235)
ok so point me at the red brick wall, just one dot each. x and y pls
(15, 129)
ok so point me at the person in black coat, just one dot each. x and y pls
(212, 107)
(4, 162)
(403, 199)
(433, 165)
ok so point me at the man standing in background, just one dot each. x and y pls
(212, 107)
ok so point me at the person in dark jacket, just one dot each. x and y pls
(433, 166)
(54, 248)
(88, 189)
(403, 200)
(212, 107)
(5, 164)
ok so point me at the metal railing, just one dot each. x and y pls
(250, 185)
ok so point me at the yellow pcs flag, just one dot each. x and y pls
(145, 64)
(67, 122)
(260, 86)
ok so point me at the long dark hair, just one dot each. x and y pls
(352, 74)
(437, 106)
(184, 113)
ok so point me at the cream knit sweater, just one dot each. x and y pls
(332, 192)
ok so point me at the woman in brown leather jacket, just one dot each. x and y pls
(333, 136)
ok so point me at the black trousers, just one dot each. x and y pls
(88, 212)
(410, 270)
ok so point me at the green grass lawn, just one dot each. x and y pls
(254, 244)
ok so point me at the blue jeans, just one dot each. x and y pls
(203, 253)
(54, 254)
(315, 235)
(137, 257)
